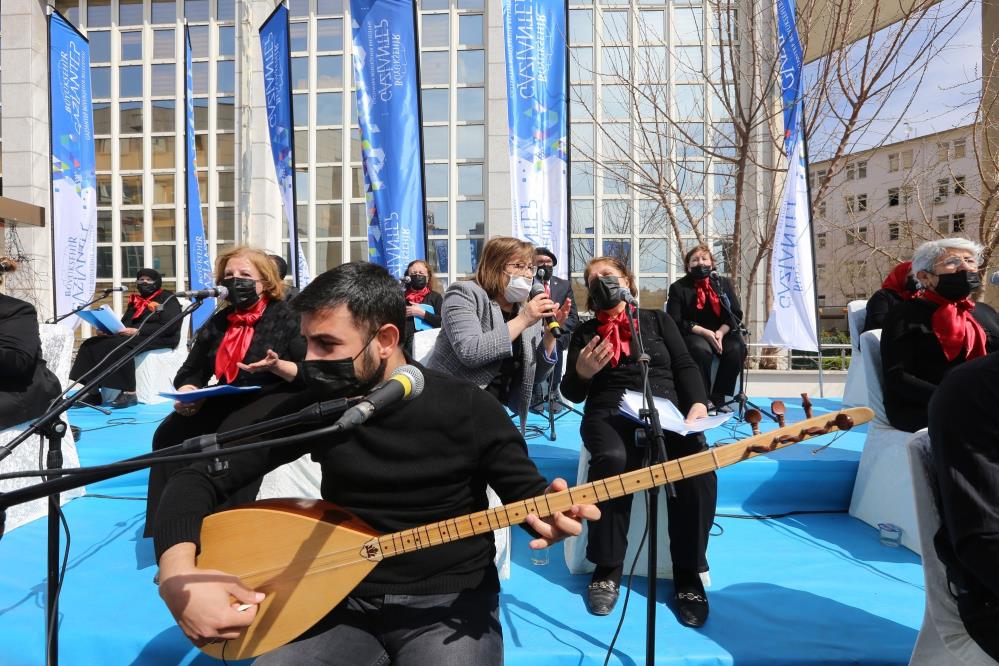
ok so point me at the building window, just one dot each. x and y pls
(893, 162)
(943, 187)
(959, 148)
(820, 239)
(862, 233)
(851, 204)
(851, 171)
(959, 186)
(943, 224)
(851, 237)
(906, 159)
(892, 196)
(943, 150)
(861, 202)
(958, 220)
(906, 194)
(862, 169)
(893, 231)
(822, 209)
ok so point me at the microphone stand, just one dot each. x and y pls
(59, 318)
(53, 429)
(740, 399)
(651, 436)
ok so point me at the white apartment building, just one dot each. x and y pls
(884, 202)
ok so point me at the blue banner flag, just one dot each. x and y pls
(792, 321)
(386, 61)
(538, 112)
(74, 173)
(199, 263)
(277, 92)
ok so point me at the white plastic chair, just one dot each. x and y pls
(943, 640)
(57, 350)
(855, 391)
(156, 368)
(423, 344)
(882, 492)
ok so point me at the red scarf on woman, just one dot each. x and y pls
(237, 339)
(415, 296)
(140, 304)
(955, 328)
(897, 279)
(706, 293)
(615, 329)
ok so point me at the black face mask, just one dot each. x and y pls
(699, 272)
(417, 282)
(337, 379)
(242, 292)
(605, 292)
(146, 289)
(955, 286)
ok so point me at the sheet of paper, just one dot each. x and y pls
(669, 416)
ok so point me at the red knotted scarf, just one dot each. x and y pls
(955, 328)
(236, 340)
(614, 328)
(416, 296)
(140, 304)
(706, 293)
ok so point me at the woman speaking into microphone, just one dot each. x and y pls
(602, 365)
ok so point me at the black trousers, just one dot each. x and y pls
(216, 415)
(730, 362)
(610, 440)
(92, 350)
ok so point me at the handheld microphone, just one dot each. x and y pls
(543, 274)
(108, 290)
(994, 278)
(549, 322)
(714, 276)
(405, 279)
(214, 292)
(405, 383)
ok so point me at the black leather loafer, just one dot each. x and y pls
(691, 608)
(124, 400)
(601, 597)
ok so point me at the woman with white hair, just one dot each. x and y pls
(926, 337)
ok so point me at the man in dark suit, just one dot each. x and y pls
(558, 290)
(290, 290)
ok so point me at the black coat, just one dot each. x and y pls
(27, 386)
(278, 328)
(434, 300)
(681, 305)
(878, 306)
(149, 322)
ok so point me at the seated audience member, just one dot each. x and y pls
(414, 463)
(253, 340)
(290, 290)
(928, 336)
(421, 293)
(27, 386)
(491, 331)
(964, 436)
(148, 311)
(710, 330)
(900, 285)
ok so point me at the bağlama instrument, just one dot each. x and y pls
(307, 555)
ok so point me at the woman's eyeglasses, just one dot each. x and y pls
(521, 267)
(955, 262)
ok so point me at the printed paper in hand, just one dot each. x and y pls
(669, 416)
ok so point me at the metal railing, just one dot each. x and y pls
(835, 356)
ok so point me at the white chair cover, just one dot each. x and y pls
(57, 350)
(943, 640)
(423, 344)
(882, 492)
(855, 391)
(155, 369)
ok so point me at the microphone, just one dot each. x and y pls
(108, 290)
(214, 292)
(543, 274)
(994, 278)
(549, 322)
(628, 297)
(405, 383)
(405, 279)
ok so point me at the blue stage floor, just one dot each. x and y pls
(805, 589)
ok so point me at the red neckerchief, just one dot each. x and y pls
(706, 293)
(955, 328)
(615, 329)
(237, 339)
(141, 304)
(896, 280)
(415, 296)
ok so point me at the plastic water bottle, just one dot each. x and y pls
(539, 558)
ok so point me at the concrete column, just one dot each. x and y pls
(499, 208)
(25, 128)
(259, 215)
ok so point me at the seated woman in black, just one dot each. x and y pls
(900, 285)
(602, 364)
(421, 293)
(148, 310)
(710, 331)
(243, 344)
(27, 386)
(925, 338)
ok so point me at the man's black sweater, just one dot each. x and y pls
(414, 463)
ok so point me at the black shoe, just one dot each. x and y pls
(691, 600)
(601, 597)
(77, 433)
(124, 400)
(724, 409)
(557, 408)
